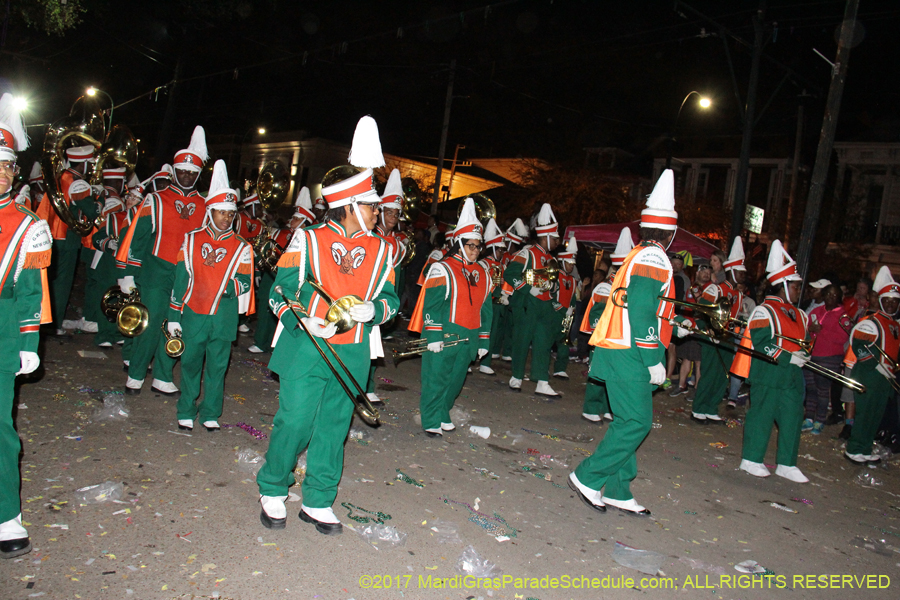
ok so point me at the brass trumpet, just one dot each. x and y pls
(544, 278)
(420, 346)
(363, 407)
(567, 328)
(497, 275)
(125, 310)
(174, 343)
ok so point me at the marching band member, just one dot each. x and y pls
(631, 338)
(213, 286)
(265, 321)
(596, 400)
(36, 185)
(534, 321)
(77, 193)
(319, 210)
(313, 410)
(24, 305)
(147, 256)
(493, 242)
(777, 390)
(514, 237)
(876, 370)
(716, 360)
(248, 225)
(455, 302)
(565, 298)
(389, 210)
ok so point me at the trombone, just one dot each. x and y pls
(363, 407)
(420, 346)
(891, 362)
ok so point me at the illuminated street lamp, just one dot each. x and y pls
(703, 102)
(20, 103)
(93, 91)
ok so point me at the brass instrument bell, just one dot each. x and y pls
(272, 185)
(544, 278)
(174, 343)
(338, 310)
(484, 208)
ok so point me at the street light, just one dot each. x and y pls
(261, 131)
(93, 91)
(703, 102)
(20, 103)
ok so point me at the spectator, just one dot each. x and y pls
(717, 264)
(830, 327)
(816, 291)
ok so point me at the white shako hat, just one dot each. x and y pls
(623, 247)
(468, 226)
(320, 204)
(195, 155)
(12, 130)
(571, 250)
(220, 196)
(79, 189)
(114, 173)
(80, 154)
(365, 155)
(517, 232)
(781, 268)
(492, 234)
(660, 212)
(37, 175)
(735, 260)
(546, 222)
(393, 192)
(885, 286)
(303, 206)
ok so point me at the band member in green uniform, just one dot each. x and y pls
(24, 305)
(493, 262)
(776, 390)
(873, 368)
(631, 339)
(566, 299)
(314, 412)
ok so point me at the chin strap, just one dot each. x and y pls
(359, 218)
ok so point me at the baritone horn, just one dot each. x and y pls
(174, 343)
(266, 250)
(545, 277)
(484, 208)
(126, 311)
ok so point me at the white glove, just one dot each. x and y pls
(657, 374)
(317, 327)
(881, 368)
(535, 291)
(126, 284)
(362, 313)
(435, 346)
(30, 362)
(174, 329)
(570, 311)
(799, 358)
(482, 352)
(112, 245)
(682, 331)
(504, 299)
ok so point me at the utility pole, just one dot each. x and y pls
(740, 188)
(440, 161)
(826, 140)
(453, 169)
(795, 172)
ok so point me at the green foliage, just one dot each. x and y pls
(53, 17)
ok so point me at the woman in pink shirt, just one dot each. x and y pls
(830, 328)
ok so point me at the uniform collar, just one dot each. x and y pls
(218, 236)
(6, 199)
(338, 228)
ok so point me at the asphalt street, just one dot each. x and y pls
(187, 523)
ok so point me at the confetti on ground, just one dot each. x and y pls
(249, 429)
(718, 445)
(496, 525)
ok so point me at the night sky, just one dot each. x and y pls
(534, 77)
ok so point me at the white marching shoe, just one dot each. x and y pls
(756, 469)
(515, 384)
(163, 387)
(593, 418)
(274, 512)
(543, 389)
(486, 370)
(791, 473)
(448, 426)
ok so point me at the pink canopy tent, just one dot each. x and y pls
(606, 236)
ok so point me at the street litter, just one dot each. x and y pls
(644, 561)
(482, 432)
(250, 460)
(471, 563)
(113, 409)
(459, 417)
(446, 532)
(866, 479)
(382, 536)
(102, 492)
(749, 566)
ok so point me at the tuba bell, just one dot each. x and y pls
(85, 125)
(410, 206)
(484, 208)
(272, 185)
